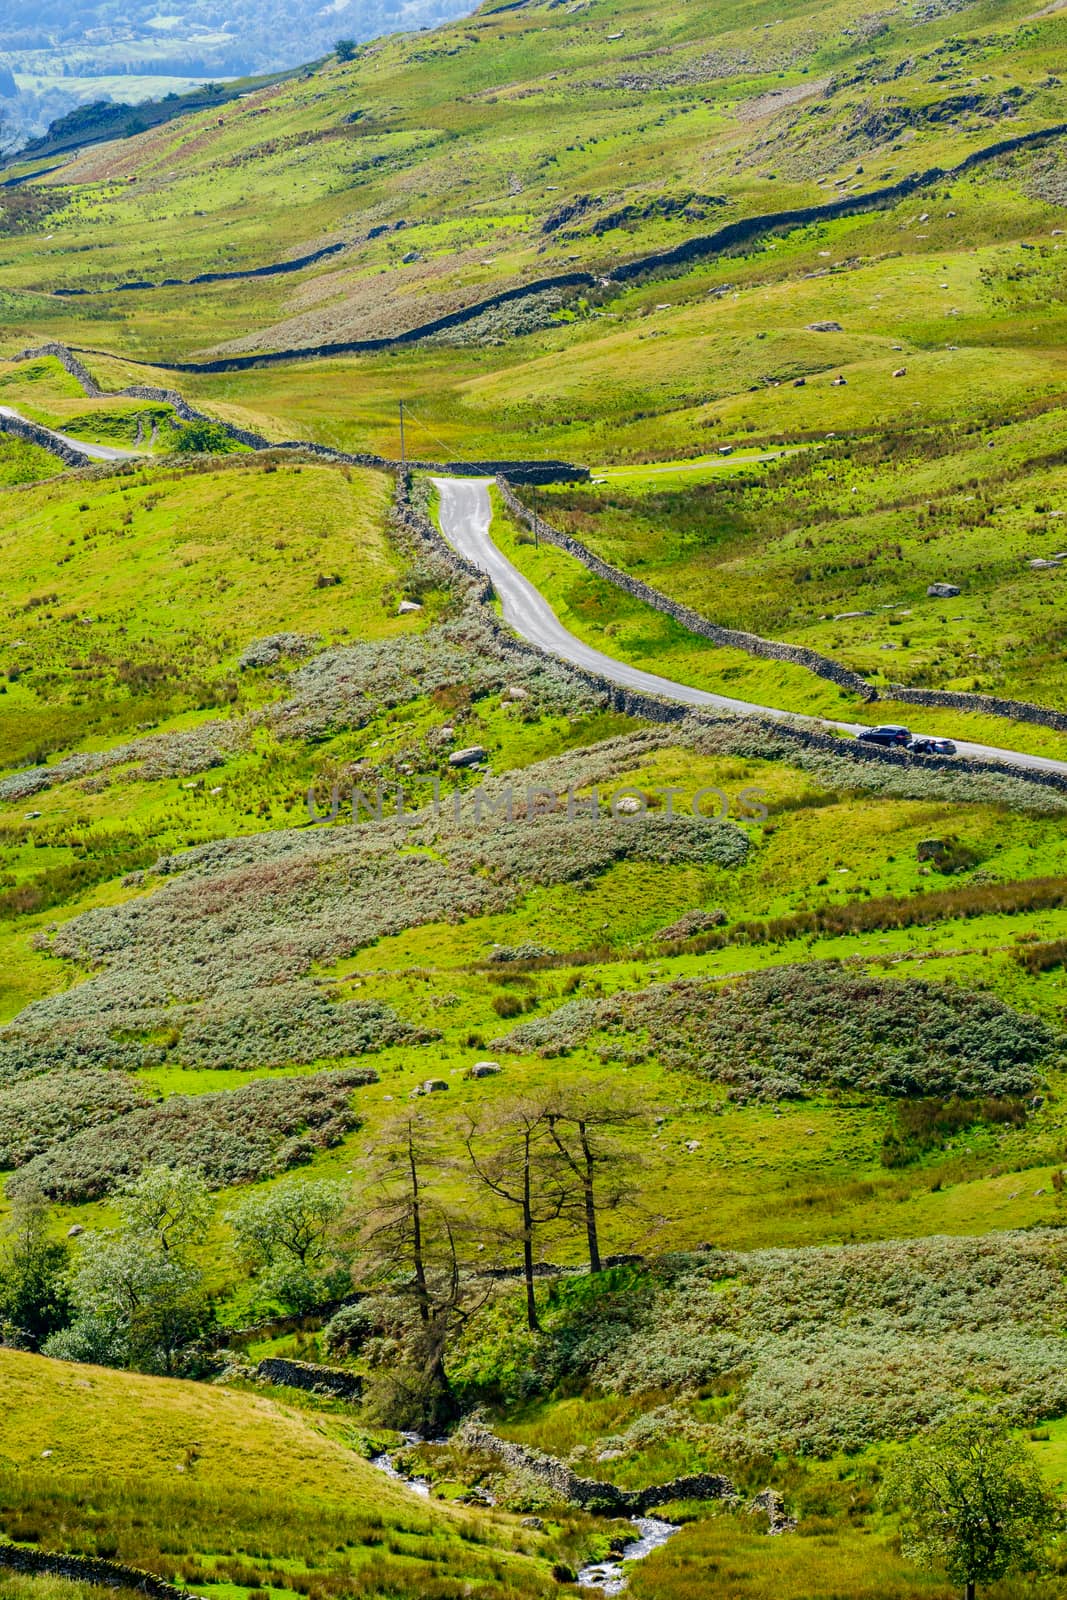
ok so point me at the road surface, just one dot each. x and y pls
(466, 514)
(95, 452)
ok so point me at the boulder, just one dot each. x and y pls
(825, 327)
(406, 607)
(515, 692)
(433, 1086)
(1039, 565)
(475, 753)
(901, 372)
(75, 1231)
(942, 591)
(484, 1069)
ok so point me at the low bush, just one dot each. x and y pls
(792, 1031)
(236, 1136)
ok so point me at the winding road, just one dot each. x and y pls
(466, 514)
(95, 452)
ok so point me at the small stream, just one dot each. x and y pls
(607, 1576)
(386, 1464)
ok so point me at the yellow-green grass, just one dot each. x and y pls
(613, 621)
(283, 171)
(129, 596)
(828, 1559)
(192, 1481)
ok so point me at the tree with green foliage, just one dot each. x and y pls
(204, 437)
(290, 1235)
(134, 1306)
(170, 1206)
(972, 1501)
(345, 49)
(34, 1288)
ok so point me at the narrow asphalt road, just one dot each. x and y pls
(95, 452)
(466, 514)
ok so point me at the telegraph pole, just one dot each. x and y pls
(403, 451)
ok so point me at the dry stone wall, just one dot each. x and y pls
(19, 428)
(590, 1493)
(695, 249)
(311, 1378)
(771, 649)
(517, 471)
(89, 1569)
(652, 709)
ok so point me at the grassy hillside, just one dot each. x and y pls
(817, 1021)
(213, 1487)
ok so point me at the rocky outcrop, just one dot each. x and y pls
(89, 1569)
(310, 1377)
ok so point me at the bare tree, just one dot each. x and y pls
(412, 1245)
(601, 1173)
(516, 1158)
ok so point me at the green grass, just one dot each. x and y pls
(210, 1485)
(128, 597)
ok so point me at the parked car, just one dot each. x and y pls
(924, 744)
(887, 733)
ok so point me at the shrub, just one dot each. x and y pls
(791, 1031)
(236, 1136)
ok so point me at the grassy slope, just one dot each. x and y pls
(446, 115)
(211, 1485)
(128, 597)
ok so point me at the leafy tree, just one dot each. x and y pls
(169, 1205)
(973, 1502)
(134, 1306)
(34, 1292)
(289, 1235)
(345, 49)
(204, 438)
(599, 1172)
(515, 1156)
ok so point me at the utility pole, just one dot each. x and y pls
(403, 451)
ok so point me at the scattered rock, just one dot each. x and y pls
(942, 591)
(475, 753)
(75, 1230)
(901, 372)
(628, 806)
(406, 607)
(1040, 565)
(515, 691)
(845, 616)
(535, 1523)
(484, 1069)
(825, 327)
(433, 1086)
(692, 923)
